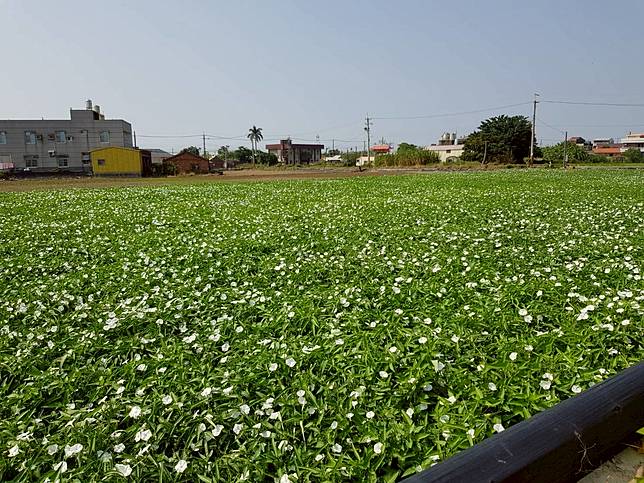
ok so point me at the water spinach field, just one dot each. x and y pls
(331, 330)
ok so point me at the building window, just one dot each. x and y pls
(85, 157)
(3, 137)
(31, 161)
(104, 136)
(30, 137)
(63, 162)
(61, 137)
(101, 162)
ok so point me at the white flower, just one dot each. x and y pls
(576, 389)
(438, 366)
(206, 392)
(398, 311)
(245, 408)
(225, 347)
(370, 414)
(548, 376)
(216, 431)
(349, 415)
(498, 427)
(451, 399)
(470, 432)
(492, 386)
(528, 348)
(422, 340)
(410, 412)
(265, 434)
(119, 448)
(513, 356)
(319, 457)
(61, 467)
(237, 428)
(13, 451)
(290, 362)
(523, 312)
(272, 367)
(135, 412)
(545, 384)
(455, 339)
(339, 341)
(143, 435)
(73, 450)
(393, 349)
(377, 448)
(167, 400)
(124, 470)
(181, 466)
(336, 448)
(300, 393)
(334, 424)
(52, 449)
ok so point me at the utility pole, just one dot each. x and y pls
(135, 139)
(485, 153)
(565, 159)
(368, 129)
(204, 145)
(333, 143)
(534, 120)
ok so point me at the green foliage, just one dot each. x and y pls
(351, 157)
(192, 150)
(407, 155)
(267, 159)
(633, 155)
(336, 331)
(555, 154)
(507, 137)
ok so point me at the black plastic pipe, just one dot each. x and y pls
(560, 444)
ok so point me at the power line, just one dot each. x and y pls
(449, 114)
(587, 103)
(549, 126)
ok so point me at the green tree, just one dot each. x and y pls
(268, 159)
(507, 138)
(255, 135)
(576, 153)
(633, 155)
(192, 150)
(242, 154)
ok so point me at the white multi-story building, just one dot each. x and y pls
(632, 141)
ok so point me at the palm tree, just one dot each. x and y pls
(255, 135)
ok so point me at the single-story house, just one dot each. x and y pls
(119, 161)
(447, 152)
(186, 162)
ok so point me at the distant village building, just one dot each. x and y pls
(603, 142)
(159, 155)
(185, 162)
(633, 141)
(288, 152)
(449, 147)
(381, 149)
(118, 161)
(63, 145)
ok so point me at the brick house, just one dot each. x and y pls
(186, 162)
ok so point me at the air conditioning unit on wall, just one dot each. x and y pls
(52, 153)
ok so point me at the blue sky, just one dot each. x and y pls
(317, 68)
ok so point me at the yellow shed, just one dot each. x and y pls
(116, 161)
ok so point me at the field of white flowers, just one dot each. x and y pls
(357, 329)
